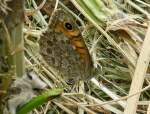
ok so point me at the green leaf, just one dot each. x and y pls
(39, 100)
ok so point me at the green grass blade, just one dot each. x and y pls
(39, 100)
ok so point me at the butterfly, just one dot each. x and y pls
(63, 47)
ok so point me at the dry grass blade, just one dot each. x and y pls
(139, 75)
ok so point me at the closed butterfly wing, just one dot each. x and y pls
(64, 49)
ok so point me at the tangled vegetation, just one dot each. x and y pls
(117, 35)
